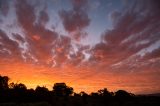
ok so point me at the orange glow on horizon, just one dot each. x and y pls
(81, 79)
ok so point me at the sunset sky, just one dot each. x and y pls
(88, 44)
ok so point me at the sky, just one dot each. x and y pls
(88, 44)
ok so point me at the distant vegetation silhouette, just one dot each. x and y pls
(17, 94)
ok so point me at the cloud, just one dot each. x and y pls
(78, 57)
(76, 19)
(134, 30)
(61, 50)
(37, 44)
(18, 37)
(8, 47)
(153, 54)
(4, 7)
(43, 17)
(40, 39)
(25, 15)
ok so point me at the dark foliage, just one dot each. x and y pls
(61, 89)
(17, 94)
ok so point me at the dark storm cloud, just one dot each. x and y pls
(4, 7)
(76, 19)
(134, 29)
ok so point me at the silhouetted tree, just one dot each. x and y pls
(18, 91)
(18, 87)
(122, 96)
(61, 89)
(4, 82)
(30, 95)
(94, 94)
(84, 96)
(4, 88)
(76, 94)
(42, 93)
(82, 93)
(104, 92)
(41, 89)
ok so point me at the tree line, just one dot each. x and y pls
(61, 94)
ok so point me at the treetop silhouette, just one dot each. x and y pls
(62, 95)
